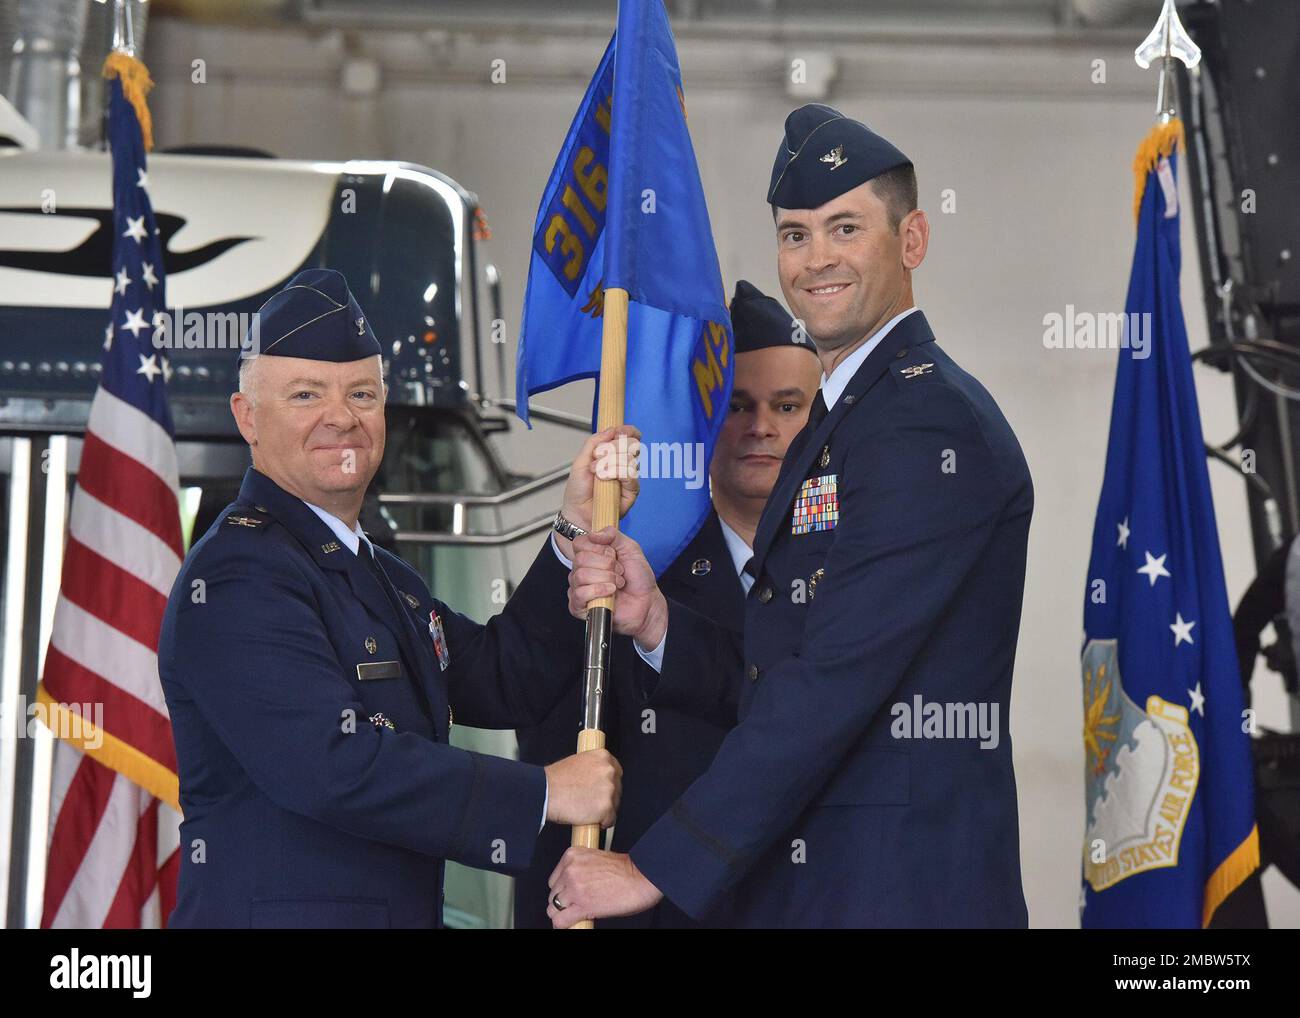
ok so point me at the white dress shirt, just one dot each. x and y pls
(741, 553)
(351, 539)
(833, 387)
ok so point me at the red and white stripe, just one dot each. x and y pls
(113, 854)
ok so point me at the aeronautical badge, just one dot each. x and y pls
(439, 639)
(817, 506)
(379, 721)
(813, 580)
(1142, 771)
(244, 521)
(916, 370)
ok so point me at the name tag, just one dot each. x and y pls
(369, 670)
(817, 506)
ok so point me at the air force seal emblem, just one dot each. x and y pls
(1142, 771)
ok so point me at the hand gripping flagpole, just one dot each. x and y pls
(600, 611)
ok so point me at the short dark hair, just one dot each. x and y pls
(897, 189)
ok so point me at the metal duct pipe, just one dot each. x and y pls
(8, 35)
(231, 12)
(58, 47)
(1114, 12)
(45, 76)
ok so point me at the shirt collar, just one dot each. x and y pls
(834, 386)
(741, 553)
(351, 538)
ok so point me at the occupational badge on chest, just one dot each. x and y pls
(439, 640)
(817, 506)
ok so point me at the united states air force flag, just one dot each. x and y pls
(624, 208)
(1171, 818)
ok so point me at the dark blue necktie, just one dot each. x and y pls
(818, 412)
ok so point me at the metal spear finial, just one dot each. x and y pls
(123, 29)
(1168, 41)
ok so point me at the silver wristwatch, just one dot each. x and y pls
(565, 528)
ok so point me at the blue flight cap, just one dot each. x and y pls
(758, 322)
(315, 317)
(824, 154)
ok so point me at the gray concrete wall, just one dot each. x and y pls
(1038, 156)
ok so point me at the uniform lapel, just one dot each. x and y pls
(363, 578)
(292, 513)
(716, 593)
(911, 331)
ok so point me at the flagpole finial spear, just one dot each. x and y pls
(123, 64)
(1167, 41)
(123, 28)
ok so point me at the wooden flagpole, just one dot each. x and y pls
(600, 612)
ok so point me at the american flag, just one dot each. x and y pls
(114, 830)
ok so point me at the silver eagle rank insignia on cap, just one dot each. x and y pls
(835, 157)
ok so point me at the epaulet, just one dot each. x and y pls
(911, 367)
(242, 516)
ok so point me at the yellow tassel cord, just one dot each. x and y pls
(1241, 862)
(136, 84)
(1160, 142)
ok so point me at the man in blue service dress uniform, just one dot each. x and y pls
(868, 778)
(663, 750)
(311, 677)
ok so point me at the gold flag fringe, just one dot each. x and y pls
(1160, 142)
(136, 84)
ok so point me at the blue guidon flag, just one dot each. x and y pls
(624, 208)
(1170, 830)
